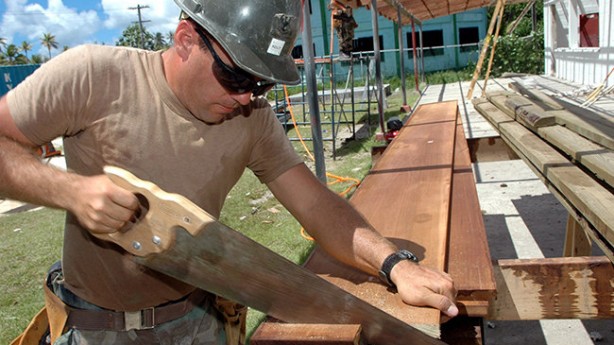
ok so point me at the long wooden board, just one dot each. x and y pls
(475, 282)
(594, 157)
(591, 125)
(406, 197)
(277, 333)
(467, 243)
(543, 100)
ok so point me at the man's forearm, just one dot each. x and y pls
(25, 178)
(345, 234)
(337, 227)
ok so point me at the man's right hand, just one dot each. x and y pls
(101, 206)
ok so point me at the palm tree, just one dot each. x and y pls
(158, 42)
(11, 54)
(48, 40)
(36, 58)
(26, 47)
(170, 37)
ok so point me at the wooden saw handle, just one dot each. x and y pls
(161, 213)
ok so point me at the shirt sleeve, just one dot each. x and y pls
(47, 103)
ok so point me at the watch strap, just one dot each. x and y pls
(391, 261)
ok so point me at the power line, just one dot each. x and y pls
(141, 21)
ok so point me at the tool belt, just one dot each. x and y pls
(62, 316)
(235, 320)
(66, 316)
(143, 319)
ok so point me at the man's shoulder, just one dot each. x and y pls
(103, 52)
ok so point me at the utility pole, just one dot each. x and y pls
(141, 21)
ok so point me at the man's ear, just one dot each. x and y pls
(185, 39)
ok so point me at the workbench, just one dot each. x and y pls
(421, 194)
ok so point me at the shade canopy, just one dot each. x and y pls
(421, 10)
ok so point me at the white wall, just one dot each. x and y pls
(563, 56)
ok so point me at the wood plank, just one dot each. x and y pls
(554, 288)
(543, 100)
(597, 128)
(277, 333)
(528, 113)
(588, 228)
(493, 114)
(594, 201)
(406, 196)
(594, 157)
(595, 234)
(474, 282)
(498, 99)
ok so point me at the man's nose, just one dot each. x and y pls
(242, 98)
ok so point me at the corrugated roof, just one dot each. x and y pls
(422, 10)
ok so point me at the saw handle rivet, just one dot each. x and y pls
(136, 245)
(156, 240)
(187, 220)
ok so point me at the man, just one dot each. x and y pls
(344, 24)
(189, 120)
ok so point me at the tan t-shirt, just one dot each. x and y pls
(113, 106)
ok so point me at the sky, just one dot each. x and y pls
(75, 22)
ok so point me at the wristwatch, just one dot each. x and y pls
(391, 261)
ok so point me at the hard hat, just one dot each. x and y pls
(258, 35)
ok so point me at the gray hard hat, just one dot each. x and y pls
(258, 35)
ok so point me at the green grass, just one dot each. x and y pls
(32, 241)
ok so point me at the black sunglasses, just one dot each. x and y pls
(235, 80)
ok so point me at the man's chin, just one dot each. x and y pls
(214, 123)
(214, 120)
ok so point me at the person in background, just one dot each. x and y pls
(344, 24)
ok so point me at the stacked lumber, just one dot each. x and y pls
(421, 195)
(570, 148)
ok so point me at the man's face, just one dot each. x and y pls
(225, 87)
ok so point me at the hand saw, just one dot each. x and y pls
(174, 236)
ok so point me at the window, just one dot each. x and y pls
(589, 30)
(365, 44)
(297, 52)
(433, 42)
(468, 39)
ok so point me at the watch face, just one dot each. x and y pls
(406, 254)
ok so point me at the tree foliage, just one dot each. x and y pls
(48, 41)
(11, 54)
(519, 54)
(132, 37)
(521, 51)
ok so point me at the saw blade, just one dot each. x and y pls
(225, 262)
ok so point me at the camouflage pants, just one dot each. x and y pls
(345, 33)
(201, 326)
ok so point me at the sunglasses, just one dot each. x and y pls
(234, 80)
